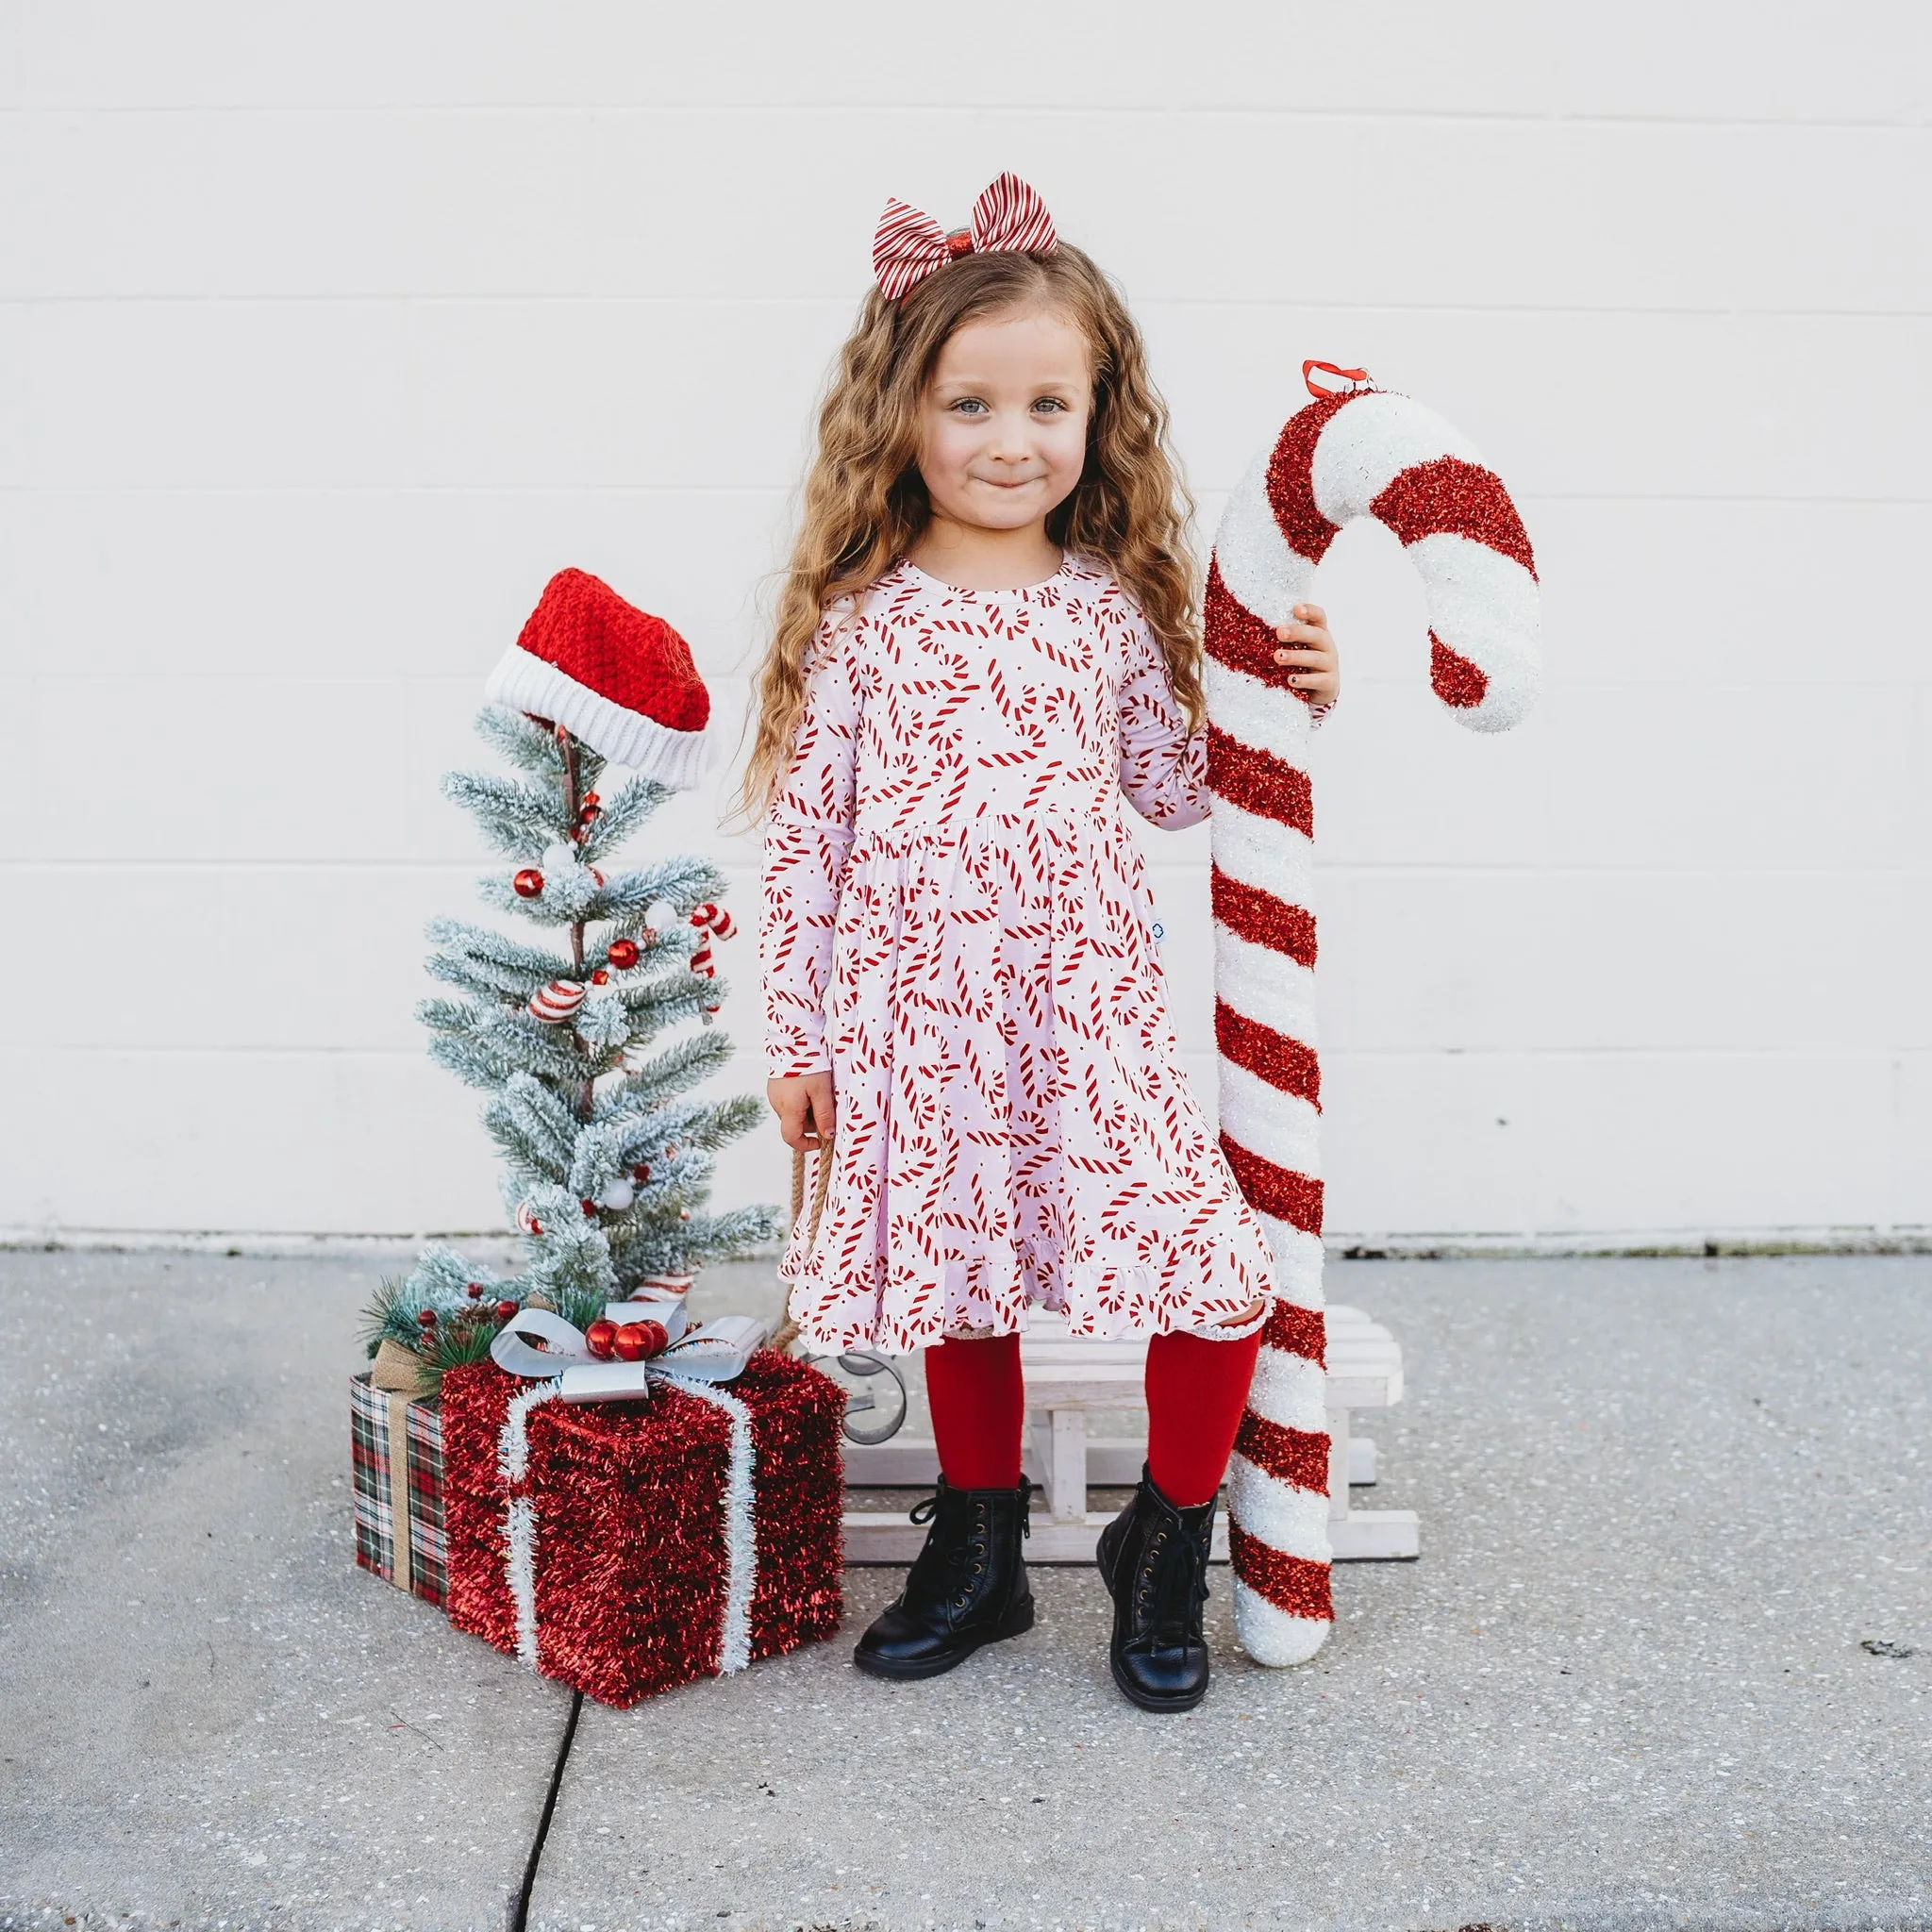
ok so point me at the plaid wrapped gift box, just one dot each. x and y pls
(388, 1429)
(612, 1544)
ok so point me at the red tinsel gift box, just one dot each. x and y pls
(619, 1513)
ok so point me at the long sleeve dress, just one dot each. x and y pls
(955, 923)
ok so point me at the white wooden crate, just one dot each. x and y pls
(1068, 1379)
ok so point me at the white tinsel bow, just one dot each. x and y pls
(694, 1363)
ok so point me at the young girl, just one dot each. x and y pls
(987, 636)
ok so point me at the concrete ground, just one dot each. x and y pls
(1649, 1670)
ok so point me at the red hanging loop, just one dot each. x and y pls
(1354, 378)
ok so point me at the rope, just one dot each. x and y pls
(822, 1181)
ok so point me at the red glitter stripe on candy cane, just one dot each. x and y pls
(1296, 1330)
(1453, 678)
(1291, 484)
(1284, 1063)
(1258, 781)
(1292, 1584)
(1234, 636)
(1263, 920)
(1295, 1198)
(1447, 496)
(1296, 1456)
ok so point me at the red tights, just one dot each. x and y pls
(1196, 1390)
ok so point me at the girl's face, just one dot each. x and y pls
(1003, 427)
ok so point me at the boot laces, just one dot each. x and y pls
(968, 1558)
(1171, 1608)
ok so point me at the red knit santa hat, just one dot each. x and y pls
(616, 677)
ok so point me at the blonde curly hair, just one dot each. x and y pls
(865, 504)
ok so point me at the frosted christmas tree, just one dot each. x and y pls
(608, 1162)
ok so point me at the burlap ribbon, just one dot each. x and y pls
(398, 1372)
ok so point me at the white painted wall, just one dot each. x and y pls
(329, 333)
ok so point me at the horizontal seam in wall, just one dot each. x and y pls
(1144, 304)
(821, 108)
(773, 489)
(750, 859)
(1782, 1054)
(1524, 1243)
(227, 678)
(1330, 1054)
(345, 867)
(1473, 873)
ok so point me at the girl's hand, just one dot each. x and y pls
(1318, 665)
(804, 1104)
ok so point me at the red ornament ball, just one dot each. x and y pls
(529, 883)
(601, 1338)
(656, 1337)
(600, 977)
(640, 1172)
(628, 1342)
(590, 1209)
(425, 1318)
(624, 954)
(474, 1289)
(504, 1310)
(592, 800)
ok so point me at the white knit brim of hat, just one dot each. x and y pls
(529, 683)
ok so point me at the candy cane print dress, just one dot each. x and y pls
(956, 921)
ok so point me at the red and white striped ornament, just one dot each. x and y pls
(558, 1001)
(662, 1286)
(1356, 453)
(712, 922)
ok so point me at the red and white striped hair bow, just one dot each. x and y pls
(1010, 217)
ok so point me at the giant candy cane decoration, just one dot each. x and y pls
(1356, 453)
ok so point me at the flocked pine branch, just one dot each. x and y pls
(679, 1067)
(627, 808)
(516, 818)
(526, 742)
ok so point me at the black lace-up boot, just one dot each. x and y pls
(1154, 1560)
(967, 1587)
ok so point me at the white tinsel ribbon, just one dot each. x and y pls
(513, 1461)
(741, 1527)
